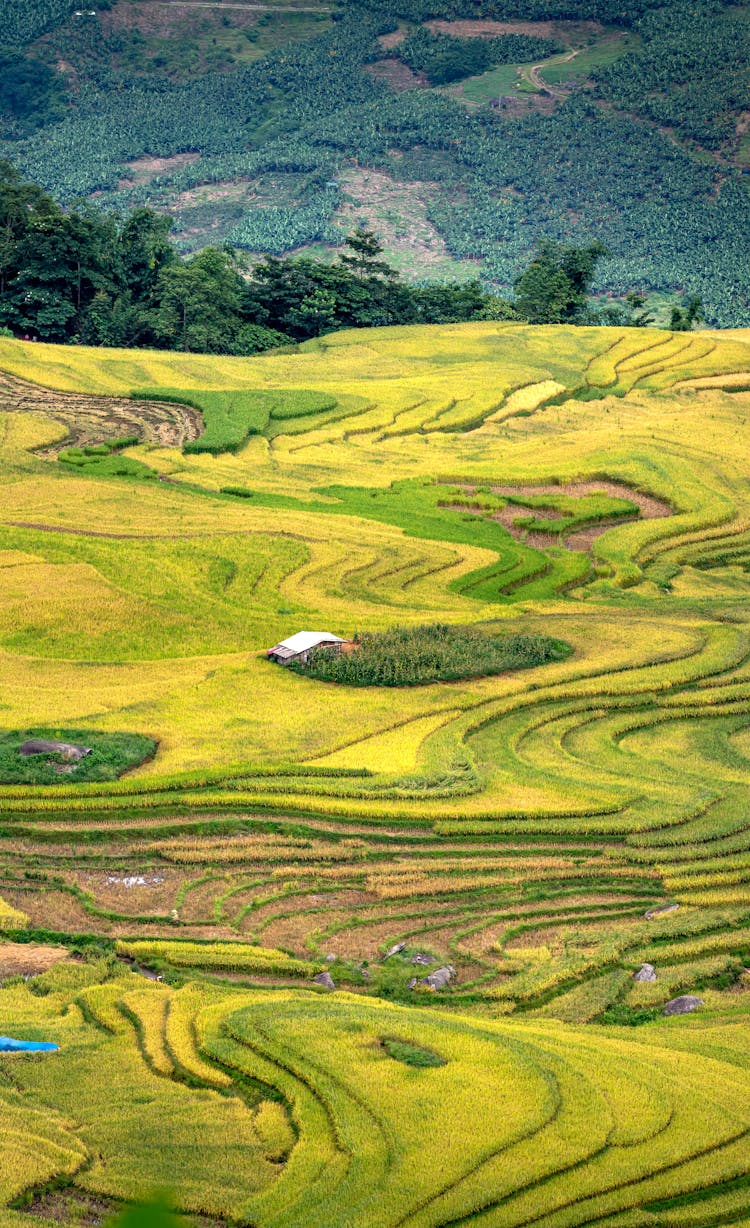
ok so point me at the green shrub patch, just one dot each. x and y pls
(103, 459)
(437, 652)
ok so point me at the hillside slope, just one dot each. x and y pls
(275, 130)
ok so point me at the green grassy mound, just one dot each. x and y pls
(111, 755)
(438, 652)
(105, 461)
(411, 1055)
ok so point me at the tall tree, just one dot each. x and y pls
(555, 286)
(684, 317)
(20, 203)
(362, 252)
(199, 303)
(63, 261)
(145, 249)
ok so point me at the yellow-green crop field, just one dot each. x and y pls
(544, 831)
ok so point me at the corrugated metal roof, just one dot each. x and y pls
(303, 641)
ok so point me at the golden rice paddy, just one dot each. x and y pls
(543, 832)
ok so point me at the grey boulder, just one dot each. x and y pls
(325, 979)
(66, 751)
(646, 972)
(683, 1005)
(440, 978)
(661, 911)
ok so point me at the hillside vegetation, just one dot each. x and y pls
(525, 841)
(629, 127)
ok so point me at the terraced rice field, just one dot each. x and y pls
(545, 832)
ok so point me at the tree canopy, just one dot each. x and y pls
(554, 288)
(83, 275)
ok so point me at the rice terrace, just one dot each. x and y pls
(384, 936)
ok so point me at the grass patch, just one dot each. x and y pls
(561, 69)
(232, 417)
(111, 755)
(621, 1015)
(104, 459)
(410, 1054)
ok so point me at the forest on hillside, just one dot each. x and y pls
(247, 141)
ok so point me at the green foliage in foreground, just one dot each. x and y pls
(111, 755)
(410, 656)
(231, 417)
(154, 1214)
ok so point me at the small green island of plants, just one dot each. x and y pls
(107, 755)
(436, 652)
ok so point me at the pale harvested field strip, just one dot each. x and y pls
(89, 418)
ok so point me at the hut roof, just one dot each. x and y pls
(303, 641)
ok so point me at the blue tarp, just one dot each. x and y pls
(7, 1045)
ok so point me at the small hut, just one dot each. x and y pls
(298, 647)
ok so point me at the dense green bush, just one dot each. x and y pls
(31, 93)
(410, 1054)
(438, 652)
(621, 1015)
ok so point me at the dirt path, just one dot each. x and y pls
(539, 83)
(91, 419)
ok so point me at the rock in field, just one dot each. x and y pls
(66, 751)
(436, 980)
(683, 1005)
(399, 947)
(646, 972)
(424, 960)
(660, 912)
(325, 979)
